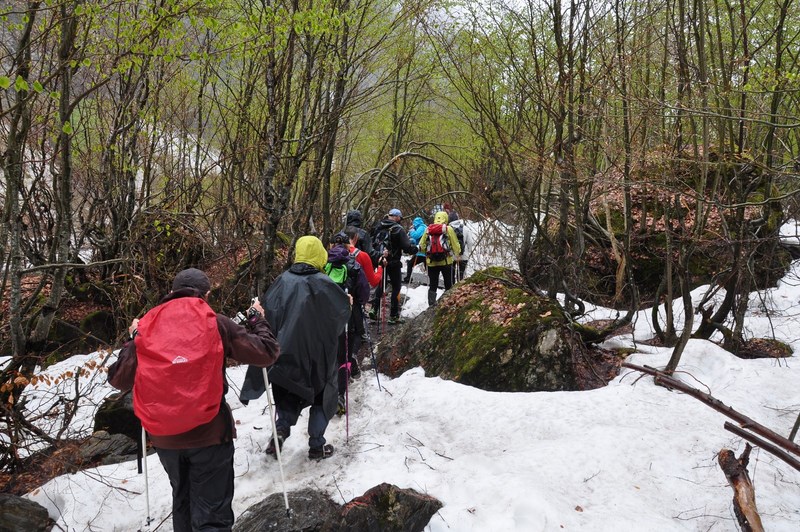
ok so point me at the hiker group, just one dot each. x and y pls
(307, 328)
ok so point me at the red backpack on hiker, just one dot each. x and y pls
(438, 245)
(179, 377)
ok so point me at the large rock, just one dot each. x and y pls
(387, 508)
(384, 508)
(311, 511)
(108, 448)
(116, 416)
(492, 332)
(18, 514)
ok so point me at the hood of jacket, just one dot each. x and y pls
(354, 218)
(418, 222)
(440, 217)
(338, 255)
(309, 250)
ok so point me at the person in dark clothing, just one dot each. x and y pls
(354, 281)
(364, 243)
(397, 244)
(308, 311)
(452, 215)
(199, 462)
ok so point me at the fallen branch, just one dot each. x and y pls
(767, 446)
(744, 495)
(662, 379)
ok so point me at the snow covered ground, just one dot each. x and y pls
(628, 457)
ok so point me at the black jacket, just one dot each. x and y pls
(308, 312)
(364, 242)
(399, 242)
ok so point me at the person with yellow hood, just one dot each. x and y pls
(308, 312)
(439, 261)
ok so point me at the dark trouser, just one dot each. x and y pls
(355, 328)
(289, 406)
(458, 270)
(394, 270)
(410, 263)
(433, 280)
(202, 487)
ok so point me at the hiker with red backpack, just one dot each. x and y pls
(308, 312)
(441, 249)
(175, 364)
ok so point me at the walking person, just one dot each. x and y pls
(418, 228)
(373, 274)
(460, 266)
(349, 276)
(175, 366)
(392, 240)
(363, 242)
(308, 312)
(441, 249)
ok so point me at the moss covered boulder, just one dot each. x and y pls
(491, 332)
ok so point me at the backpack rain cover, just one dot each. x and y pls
(438, 247)
(178, 384)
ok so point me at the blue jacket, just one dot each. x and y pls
(416, 233)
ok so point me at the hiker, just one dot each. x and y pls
(418, 228)
(460, 266)
(350, 277)
(192, 342)
(452, 215)
(373, 275)
(441, 248)
(391, 239)
(364, 242)
(308, 312)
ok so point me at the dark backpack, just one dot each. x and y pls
(459, 231)
(438, 246)
(179, 377)
(382, 240)
(344, 274)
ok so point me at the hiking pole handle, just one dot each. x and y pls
(270, 403)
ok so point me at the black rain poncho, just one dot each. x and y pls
(308, 312)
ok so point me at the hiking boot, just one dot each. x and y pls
(396, 320)
(373, 315)
(271, 447)
(320, 453)
(341, 408)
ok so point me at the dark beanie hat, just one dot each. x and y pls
(341, 238)
(192, 278)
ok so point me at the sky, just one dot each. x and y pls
(631, 456)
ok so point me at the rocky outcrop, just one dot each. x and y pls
(492, 332)
(116, 416)
(18, 514)
(384, 508)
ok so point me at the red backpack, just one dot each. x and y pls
(179, 377)
(438, 245)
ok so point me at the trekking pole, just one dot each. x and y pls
(372, 351)
(268, 389)
(346, 385)
(146, 483)
(347, 375)
(383, 300)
